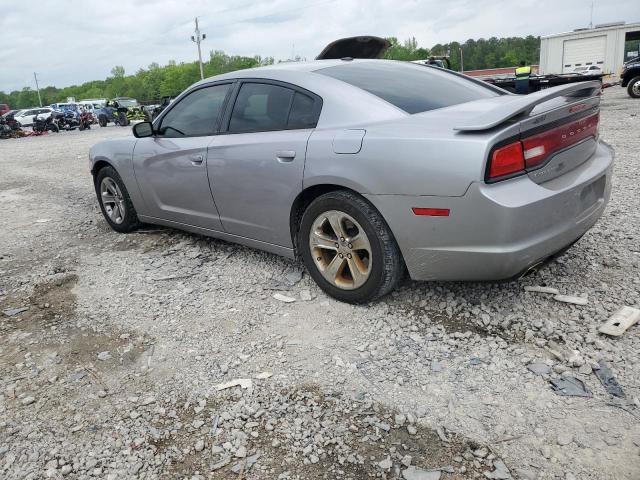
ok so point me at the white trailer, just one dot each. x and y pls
(603, 45)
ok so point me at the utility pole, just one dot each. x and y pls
(461, 61)
(35, 77)
(197, 38)
(591, 18)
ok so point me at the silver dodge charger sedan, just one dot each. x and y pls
(365, 169)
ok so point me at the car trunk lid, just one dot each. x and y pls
(355, 47)
(556, 131)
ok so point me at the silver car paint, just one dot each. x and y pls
(398, 161)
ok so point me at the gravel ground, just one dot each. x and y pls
(114, 370)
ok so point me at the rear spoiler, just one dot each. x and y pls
(524, 104)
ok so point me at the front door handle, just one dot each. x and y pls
(284, 156)
(196, 159)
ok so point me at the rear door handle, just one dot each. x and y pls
(196, 159)
(285, 156)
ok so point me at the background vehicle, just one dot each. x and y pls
(64, 107)
(43, 124)
(26, 117)
(365, 167)
(117, 115)
(588, 70)
(630, 77)
(126, 101)
(12, 112)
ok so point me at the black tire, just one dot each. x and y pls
(634, 84)
(102, 120)
(130, 221)
(387, 265)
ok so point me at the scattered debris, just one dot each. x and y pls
(620, 321)
(173, 277)
(236, 382)
(27, 400)
(43, 220)
(10, 312)
(385, 464)
(103, 356)
(570, 386)
(609, 382)
(539, 368)
(500, 473)
(293, 277)
(414, 473)
(283, 298)
(263, 375)
(306, 295)
(539, 289)
(571, 299)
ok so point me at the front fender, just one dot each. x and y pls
(118, 153)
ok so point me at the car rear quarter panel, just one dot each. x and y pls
(406, 157)
(119, 154)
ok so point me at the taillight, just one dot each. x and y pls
(531, 152)
(537, 148)
(506, 160)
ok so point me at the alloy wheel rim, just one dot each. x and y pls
(341, 250)
(112, 200)
(636, 88)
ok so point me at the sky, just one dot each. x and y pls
(68, 42)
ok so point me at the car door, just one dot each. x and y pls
(26, 118)
(256, 164)
(171, 166)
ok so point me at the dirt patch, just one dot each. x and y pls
(363, 436)
(50, 304)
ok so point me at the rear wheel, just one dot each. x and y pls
(115, 202)
(348, 248)
(633, 88)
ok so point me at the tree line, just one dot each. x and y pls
(152, 83)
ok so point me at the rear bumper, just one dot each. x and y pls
(497, 231)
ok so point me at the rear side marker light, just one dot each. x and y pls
(431, 212)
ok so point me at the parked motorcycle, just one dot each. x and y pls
(41, 125)
(68, 120)
(10, 127)
(86, 119)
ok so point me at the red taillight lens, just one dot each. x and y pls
(533, 151)
(506, 160)
(537, 148)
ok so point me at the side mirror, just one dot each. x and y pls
(143, 129)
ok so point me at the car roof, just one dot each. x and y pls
(343, 103)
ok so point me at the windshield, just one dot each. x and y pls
(410, 87)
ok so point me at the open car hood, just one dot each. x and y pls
(355, 47)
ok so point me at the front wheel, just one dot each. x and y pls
(348, 248)
(115, 202)
(633, 88)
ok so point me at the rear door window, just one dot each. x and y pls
(263, 107)
(410, 87)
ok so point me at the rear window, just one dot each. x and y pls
(410, 87)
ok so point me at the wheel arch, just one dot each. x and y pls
(308, 195)
(99, 165)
